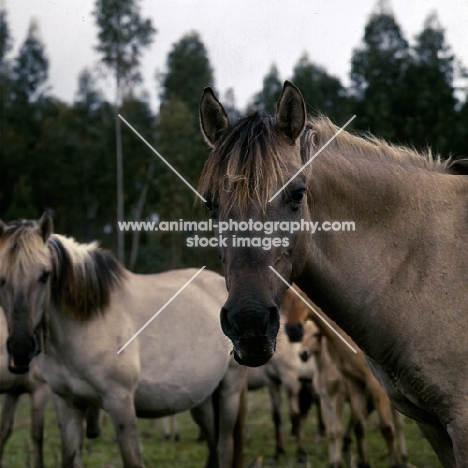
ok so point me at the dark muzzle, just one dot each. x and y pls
(21, 350)
(252, 332)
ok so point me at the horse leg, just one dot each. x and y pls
(347, 441)
(441, 442)
(230, 392)
(175, 428)
(387, 428)
(170, 428)
(292, 389)
(93, 422)
(332, 413)
(204, 416)
(359, 412)
(400, 436)
(70, 422)
(239, 429)
(39, 398)
(274, 389)
(120, 407)
(166, 426)
(10, 400)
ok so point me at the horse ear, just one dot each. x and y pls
(291, 112)
(214, 120)
(46, 225)
(458, 167)
(2, 228)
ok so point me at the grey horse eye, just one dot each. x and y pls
(44, 277)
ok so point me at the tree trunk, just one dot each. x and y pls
(137, 216)
(120, 187)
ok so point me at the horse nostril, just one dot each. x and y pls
(226, 325)
(304, 356)
(273, 319)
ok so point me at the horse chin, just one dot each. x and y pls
(17, 368)
(248, 359)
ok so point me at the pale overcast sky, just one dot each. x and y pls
(243, 37)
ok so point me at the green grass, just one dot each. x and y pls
(259, 447)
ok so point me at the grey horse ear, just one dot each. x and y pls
(46, 225)
(291, 112)
(214, 120)
(458, 167)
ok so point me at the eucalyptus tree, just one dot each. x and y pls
(123, 34)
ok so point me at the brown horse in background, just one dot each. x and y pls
(362, 387)
(397, 283)
(285, 370)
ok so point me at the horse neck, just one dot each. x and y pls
(346, 272)
(364, 188)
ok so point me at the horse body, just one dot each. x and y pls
(163, 383)
(87, 307)
(396, 285)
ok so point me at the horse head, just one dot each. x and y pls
(25, 274)
(256, 193)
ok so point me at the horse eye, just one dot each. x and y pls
(2, 282)
(44, 277)
(212, 206)
(295, 197)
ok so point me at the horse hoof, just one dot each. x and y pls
(363, 465)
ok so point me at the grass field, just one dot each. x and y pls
(259, 447)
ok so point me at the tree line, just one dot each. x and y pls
(62, 156)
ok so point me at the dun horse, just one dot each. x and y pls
(79, 301)
(13, 386)
(397, 284)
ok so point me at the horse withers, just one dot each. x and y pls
(85, 307)
(396, 283)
